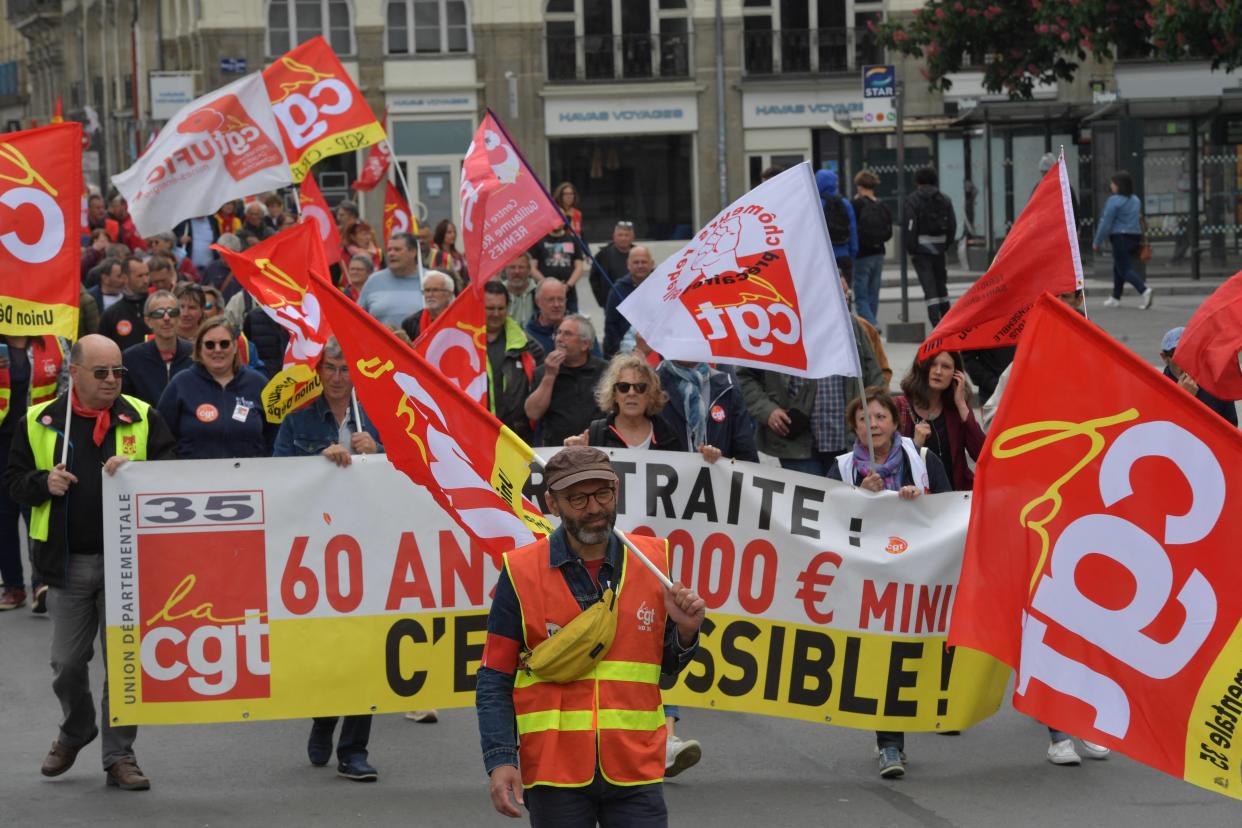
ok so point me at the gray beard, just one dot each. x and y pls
(588, 537)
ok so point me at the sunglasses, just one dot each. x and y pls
(625, 387)
(164, 313)
(101, 374)
(628, 225)
(213, 344)
(208, 305)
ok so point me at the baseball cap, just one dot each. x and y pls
(575, 464)
(1169, 343)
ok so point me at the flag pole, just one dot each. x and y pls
(353, 393)
(862, 393)
(64, 449)
(405, 188)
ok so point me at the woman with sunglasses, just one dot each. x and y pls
(215, 409)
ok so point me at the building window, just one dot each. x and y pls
(604, 40)
(293, 22)
(439, 27)
(808, 36)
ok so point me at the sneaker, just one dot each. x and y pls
(1110, 302)
(423, 716)
(12, 598)
(1094, 751)
(357, 769)
(38, 604)
(319, 746)
(680, 755)
(1145, 301)
(1063, 753)
(892, 763)
(126, 775)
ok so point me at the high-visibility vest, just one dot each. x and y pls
(613, 715)
(46, 363)
(131, 442)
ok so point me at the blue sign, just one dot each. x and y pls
(233, 66)
(879, 81)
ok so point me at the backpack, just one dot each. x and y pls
(934, 217)
(837, 219)
(875, 224)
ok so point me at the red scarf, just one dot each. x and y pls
(102, 417)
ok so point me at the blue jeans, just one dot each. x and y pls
(601, 802)
(867, 273)
(355, 733)
(1125, 245)
(890, 738)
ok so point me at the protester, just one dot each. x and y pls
(215, 408)
(550, 303)
(347, 216)
(94, 253)
(875, 227)
(96, 213)
(930, 229)
(110, 286)
(276, 212)
(521, 287)
(445, 257)
(152, 364)
(842, 225)
(361, 242)
(33, 370)
(357, 272)
(629, 394)
(217, 273)
(562, 397)
(935, 412)
(609, 771)
(263, 341)
(165, 244)
(120, 225)
(254, 227)
(197, 235)
(1168, 347)
(227, 219)
(161, 273)
(706, 408)
(190, 300)
(1122, 224)
(88, 313)
(392, 294)
(566, 197)
(612, 262)
(438, 293)
(67, 536)
(123, 322)
(558, 257)
(512, 357)
(616, 326)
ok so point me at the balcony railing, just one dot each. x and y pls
(808, 51)
(618, 57)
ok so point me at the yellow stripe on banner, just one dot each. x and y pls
(334, 144)
(22, 317)
(1213, 735)
(556, 720)
(631, 719)
(509, 476)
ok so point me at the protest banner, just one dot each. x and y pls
(288, 587)
(375, 168)
(504, 208)
(1040, 254)
(455, 344)
(222, 146)
(1101, 558)
(1209, 347)
(319, 109)
(397, 215)
(757, 286)
(40, 196)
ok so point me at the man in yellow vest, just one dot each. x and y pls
(591, 749)
(106, 430)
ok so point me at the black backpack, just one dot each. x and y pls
(875, 224)
(838, 220)
(934, 217)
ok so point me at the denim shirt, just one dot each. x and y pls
(313, 428)
(493, 695)
(1121, 215)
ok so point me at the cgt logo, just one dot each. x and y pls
(646, 617)
(204, 631)
(302, 114)
(32, 202)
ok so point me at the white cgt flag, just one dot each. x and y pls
(221, 146)
(757, 286)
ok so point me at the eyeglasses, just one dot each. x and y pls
(338, 370)
(436, 290)
(604, 497)
(101, 374)
(164, 313)
(213, 344)
(625, 387)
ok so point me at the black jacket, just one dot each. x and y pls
(663, 438)
(124, 323)
(270, 340)
(76, 522)
(510, 381)
(729, 426)
(148, 372)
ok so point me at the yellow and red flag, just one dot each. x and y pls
(40, 203)
(319, 109)
(456, 345)
(314, 208)
(472, 465)
(1101, 559)
(375, 168)
(276, 273)
(397, 215)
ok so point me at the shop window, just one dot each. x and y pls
(808, 36)
(603, 40)
(293, 22)
(428, 27)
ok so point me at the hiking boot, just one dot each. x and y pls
(11, 598)
(38, 604)
(60, 758)
(680, 755)
(892, 763)
(126, 775)
(1063, 753)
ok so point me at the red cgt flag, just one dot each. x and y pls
(456, 345)
(40, 202)
(1101, 559)
(1039, 255)
(472, 465)
(375, 168)
(397, 215)
(504, 208)
(315, 210)
(1208, 350)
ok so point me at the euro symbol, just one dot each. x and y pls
(815, 586)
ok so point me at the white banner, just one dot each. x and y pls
(221, 146)
(757, 286)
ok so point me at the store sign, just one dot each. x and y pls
(169, 92)
(879, 89)
(810, 108)
(621, 115)
(467, 101)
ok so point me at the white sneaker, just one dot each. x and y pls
(1110, 302)
(1063, 753)
(1094, 751)
(1145, 301)
(423, 716)
(680, 755)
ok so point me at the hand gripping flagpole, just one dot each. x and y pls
(353, 393)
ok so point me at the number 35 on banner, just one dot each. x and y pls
(184, 510)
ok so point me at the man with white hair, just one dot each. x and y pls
(255, 228)
(438, 293)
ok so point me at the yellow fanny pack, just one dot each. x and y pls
(578, 646)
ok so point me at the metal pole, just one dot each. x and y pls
(901, 200)
(1193, 225)
(64, 449)
(721, 146)
(987, 185)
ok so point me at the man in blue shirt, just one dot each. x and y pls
(394, 293)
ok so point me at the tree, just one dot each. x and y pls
(1021, 43)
